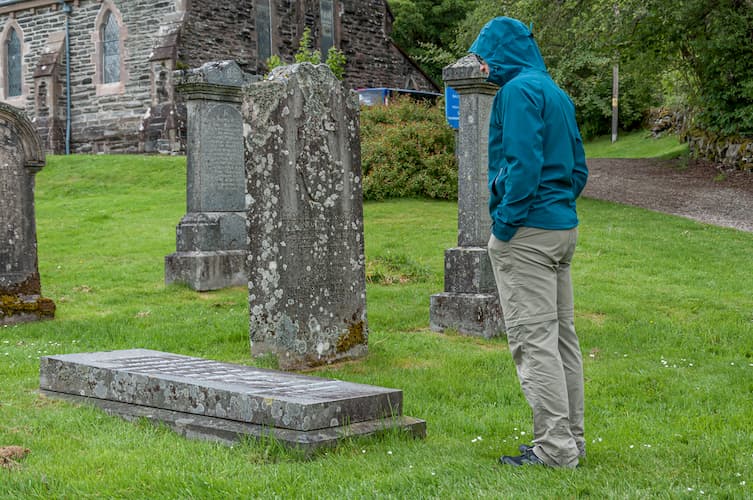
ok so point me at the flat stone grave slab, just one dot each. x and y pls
(200, 398)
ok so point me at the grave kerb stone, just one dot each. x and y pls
(223, 401)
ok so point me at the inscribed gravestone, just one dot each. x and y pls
(307, 293)
(211, 236)
(223, 402)
(21, 157)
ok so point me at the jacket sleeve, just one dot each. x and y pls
(580, 170)
(523, 160)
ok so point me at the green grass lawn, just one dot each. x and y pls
(637, 144)
(664, 310)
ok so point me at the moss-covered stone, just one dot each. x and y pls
(354, 336)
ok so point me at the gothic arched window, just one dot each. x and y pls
(263, 30)
(13, 62)
(327, 16)
(110, 49)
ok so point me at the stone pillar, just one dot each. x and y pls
(307, 284)
(21, 157)
(211, 237)
(469, 303)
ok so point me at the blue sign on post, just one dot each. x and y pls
(452, 107)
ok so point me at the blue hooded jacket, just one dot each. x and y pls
(537, 166)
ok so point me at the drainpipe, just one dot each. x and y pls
(67, 9)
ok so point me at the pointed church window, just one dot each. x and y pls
(327, 16)
(111, 50)
(263, 30)
(13, 58)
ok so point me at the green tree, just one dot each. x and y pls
(427, 30)
(706, 43)
(580, 41)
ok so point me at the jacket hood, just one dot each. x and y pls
(508, 47)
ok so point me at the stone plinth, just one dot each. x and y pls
(21, 157)
(211, 237)
(470, 303)
(222, 401)
(307, 286)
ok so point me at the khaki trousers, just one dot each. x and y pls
(532, 272)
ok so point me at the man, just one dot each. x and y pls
(537, 169)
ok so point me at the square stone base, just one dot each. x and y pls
(476, 314)
(204, 271)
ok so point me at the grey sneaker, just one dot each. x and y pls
(527, 457)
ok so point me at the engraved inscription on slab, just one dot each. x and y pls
(222, 159)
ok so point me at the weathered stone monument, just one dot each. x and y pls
(211, 236)
(223, 402)
(21, 157)
(307, 287)
(469, 303)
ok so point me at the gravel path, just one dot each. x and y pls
(696, 190)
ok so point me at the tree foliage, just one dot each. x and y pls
(690, 52)
(427, 30)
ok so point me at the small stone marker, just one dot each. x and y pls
(307, 284)
(211, 236)
(224, 402)
(21, 157)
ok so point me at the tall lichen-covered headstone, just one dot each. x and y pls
(307, 292)
(21, 157)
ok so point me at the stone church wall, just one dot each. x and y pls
(143, 113)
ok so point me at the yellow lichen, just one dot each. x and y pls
(355, 336)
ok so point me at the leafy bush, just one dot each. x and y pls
(408, 150)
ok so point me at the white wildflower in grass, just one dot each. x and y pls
(389, 452)
(363, 451)
(632, 446)
(522, 433)
(479, 438)
(742, 483)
